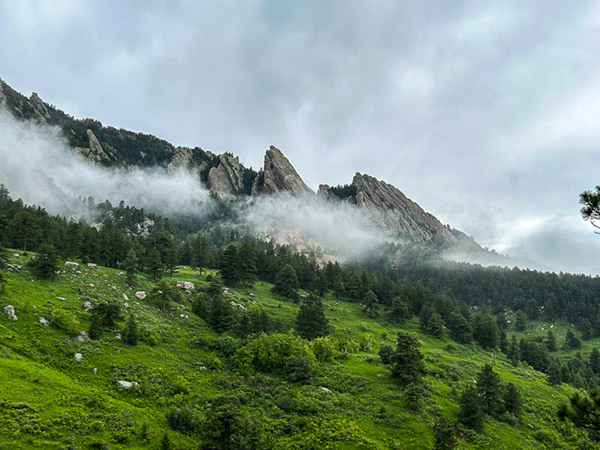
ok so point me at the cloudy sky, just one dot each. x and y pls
(484, 112)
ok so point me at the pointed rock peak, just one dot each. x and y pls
(280, 175)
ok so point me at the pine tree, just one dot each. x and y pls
(435, 326)
(95, 330)
(554, 375)
(595, 361)
(572, 341)
(489, 389)
(512, 400)
(286, 283)
(230, 266)
(470, 412)
(407, 360)
(130, 265)
(154, 263)
(460, 328)
(514, 351)
(445, 437)
(399, 311)
(551, 341)
(130, 332)
(521, 321)
(45, 263)
(311, 322)
(370, 303)
(247, 263)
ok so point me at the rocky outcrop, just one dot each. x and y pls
(227, 177)
(95, 153)
(3, 100)
(280, 175)
(392, 212)
(40, 108)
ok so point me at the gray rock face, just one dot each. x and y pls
(393, 212)
(3, 100)
(40, 109)
(227, 177)
(280, 175)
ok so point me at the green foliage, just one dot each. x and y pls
(278, 353)
(489, 390)
(311, 322)
(130, 332)
(286, 283)
(470, 412)
(445, 437)
(65, 320)
(584, 412)
(44, 264)
(407, 360)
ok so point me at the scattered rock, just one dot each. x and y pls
(126, 305)
(118, 336)
(61, 298)
(93, 266)
(83, 336)
(13, 268)
(10, 312)
(202, 368)
(141, 295)
(95, 370)
(16, 255)
(125, 297)
(78, 356)
(187, 285)
(127, 384)
(44, 321)
(325, 389)
(87, 305)
(71, 264)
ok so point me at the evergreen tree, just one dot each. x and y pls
(230, 266)
(595, 361)
(572, 341)
(286, 283)
(399, 310)
(435, 326)
(311, 322)
(485, 331)
(95, 330)
(445, 437)
(247, 263)
(551, 341)
(514, 351)
(45, 263)
(130, 265)
(460, 328)
(489, 389)
(407, 360)
(221, 315)
(24, 229)
(130, 332)
(370, 303)
(512, 400)
(584, 412)
(154, 263)
(107, 314)
(521, 321)
(470, 412)
(554, 374)
(386, 354)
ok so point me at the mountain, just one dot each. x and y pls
(387, 208)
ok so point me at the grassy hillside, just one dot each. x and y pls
(51, 400)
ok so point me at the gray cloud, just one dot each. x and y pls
(482, 112)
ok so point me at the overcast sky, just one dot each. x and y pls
(486, 113)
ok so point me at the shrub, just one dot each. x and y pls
(65, 320)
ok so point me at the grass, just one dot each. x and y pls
(50, 400)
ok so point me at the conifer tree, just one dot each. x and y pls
(470, 412)
(489, 389)
(595, 360)
(370, 303)
(311, 322)
(130, 332)
(286, 283)
(435, 326)
(130, 265)
(512, 400)
(445, 437)
(399, 310)
(45, 263)
(230, 266)
(554, 375)
(407, 360)
(571, 340)
(551, 341)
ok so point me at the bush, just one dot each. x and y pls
(65, 320)
(184, 420)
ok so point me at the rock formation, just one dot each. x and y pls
(227, 177)
(95, 153)
(392, 212)
(280, 175)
